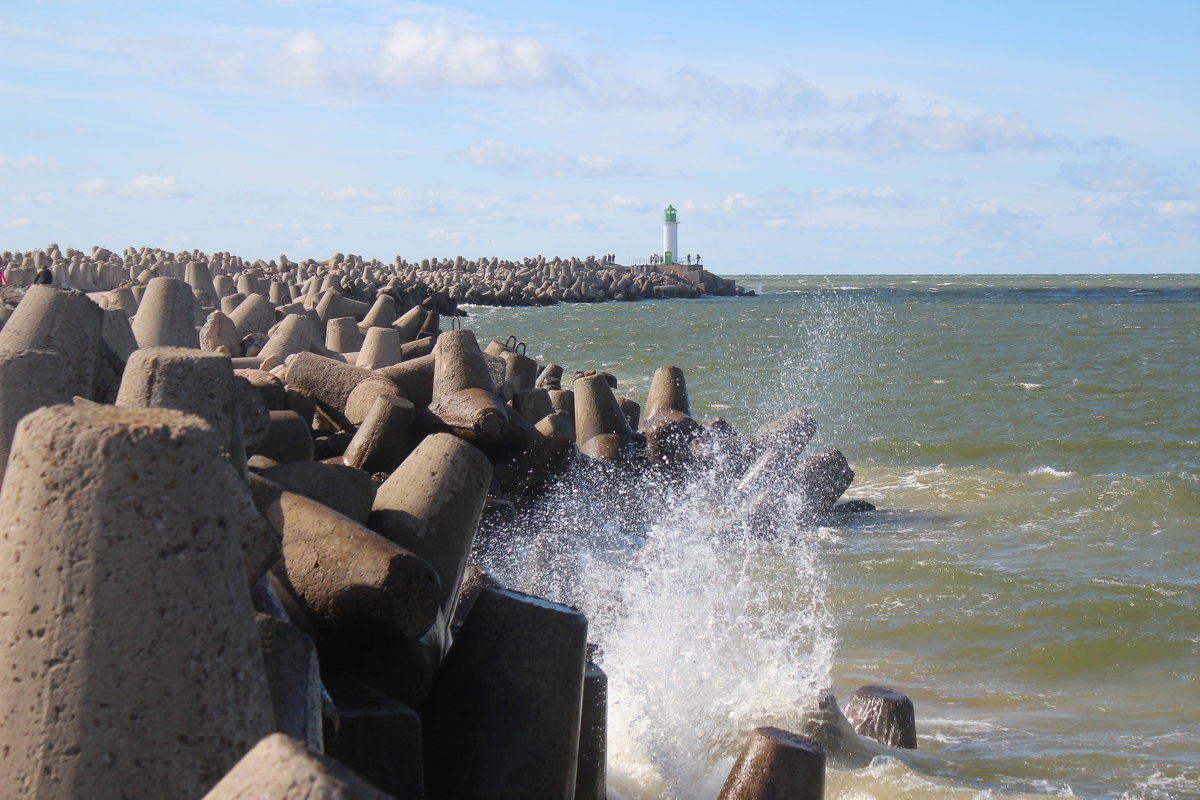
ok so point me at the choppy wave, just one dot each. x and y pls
(1031, 576)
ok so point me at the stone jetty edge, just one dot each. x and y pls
(235, 550)
(452, 282)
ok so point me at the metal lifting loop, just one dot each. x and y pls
(513, 345)
(456, 323)
(520, 348)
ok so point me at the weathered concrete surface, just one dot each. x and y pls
(116, 680)
(281, 768)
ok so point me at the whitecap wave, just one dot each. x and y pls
(1048, 470)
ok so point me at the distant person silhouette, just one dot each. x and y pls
(44, 277)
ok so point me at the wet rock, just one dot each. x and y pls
(883, 714)
(777, 765)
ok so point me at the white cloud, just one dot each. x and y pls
(935, 240)
(39, 197)
(389, 201)
(1175, 210)
(1130, 175)
(300, 62)
(968, 212)
(349, 193)
(935, 133)
(570, 219)
(143, 187)
(1105, 241)
(20, 222)
(23, 163)
(96, 187)
(563, 165)
(443, 235)
(627, 202)
(492, 153)
(442, 54)
(853, 196)
(501, 155)
(739, 201)
(694, 91)
(150, 187)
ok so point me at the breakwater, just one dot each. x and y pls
(224, 525)
(445, 282)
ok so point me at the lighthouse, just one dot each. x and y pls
(670, 235)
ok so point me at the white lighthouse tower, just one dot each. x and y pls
(670, 235)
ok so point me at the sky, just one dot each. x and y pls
(801, 137)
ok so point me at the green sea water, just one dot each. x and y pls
(1030, 578)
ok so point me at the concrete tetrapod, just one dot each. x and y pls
(383, 439)
(382, 313)
(824, 477)
(464, 395)
(118, 333)
(333, 305)
(410, 323)
(777, 765)
(378, 737)
(281, 768)
(167, 315)
(415, 378)
(533, 404)
(883, 714)
(350, 492)
(219, 331)
(432, 504)
(526, 467)
(58, 321)
(255, 314)
(295, 679)
(288, 438)
(355, 587)
(668, 425)
(29, 380)
(598, 414)
(360, 401)
(503, 719)
(590, 776)
(329, 381)
(342, 335)
(788, 434)
(668, 392)
(193, 381)
(293, 334)
(380, 348)
(550, 377)
(116, 682)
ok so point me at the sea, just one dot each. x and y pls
(1030, 577)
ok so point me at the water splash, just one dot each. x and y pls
(706, 629)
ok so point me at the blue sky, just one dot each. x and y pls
(792, 137)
